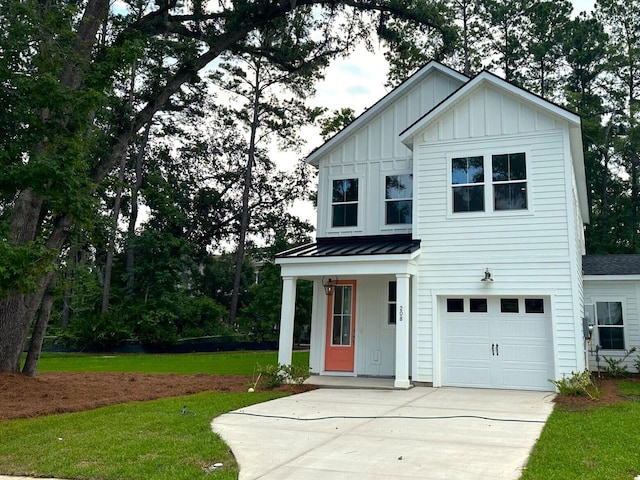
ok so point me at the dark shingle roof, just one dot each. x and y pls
(611, 264)
(347, 246)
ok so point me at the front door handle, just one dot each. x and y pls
(492, 352)
(497, 351)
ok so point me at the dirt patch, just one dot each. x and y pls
(50, 393)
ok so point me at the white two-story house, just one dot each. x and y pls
(450, 239)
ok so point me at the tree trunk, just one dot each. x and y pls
(112, 237)
(244, 221)
(37, 336)
(133, 218)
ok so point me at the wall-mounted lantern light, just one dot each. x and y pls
(329, 284)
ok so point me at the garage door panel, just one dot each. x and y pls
(465, 327)
(523, 328)
(525, 353)
(525, 379)
(466, 351)
(468, 377)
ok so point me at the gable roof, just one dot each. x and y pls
(614, 264)
(429, 69)
(488, 78)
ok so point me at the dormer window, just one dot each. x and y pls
(344, 203)
(398, 199)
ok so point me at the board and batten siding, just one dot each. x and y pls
(627, 292)
(529, 252)
(373, 151)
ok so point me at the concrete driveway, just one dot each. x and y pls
(422, 433)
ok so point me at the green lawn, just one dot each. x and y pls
(601, 442)
(132, 441)
(222, 363)
(141, 440)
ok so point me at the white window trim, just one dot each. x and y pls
(359, 227)
(488, 183)
(625, 319)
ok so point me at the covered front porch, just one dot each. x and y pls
(362, 325)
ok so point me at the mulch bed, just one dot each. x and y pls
(609, 394)
(50, 393)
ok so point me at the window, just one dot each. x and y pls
(509, 305)
(509, 182)
(467, 179)
(398, 199)
(478, 305)
(534, 305)
(455, 305)
(391, 303)
(610, 325)
(344, 203)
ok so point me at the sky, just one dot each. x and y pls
(356, 82)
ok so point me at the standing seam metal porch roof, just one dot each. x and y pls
(364, 245)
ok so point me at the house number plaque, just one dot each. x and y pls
(401, 312)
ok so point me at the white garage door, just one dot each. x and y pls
(497, 343)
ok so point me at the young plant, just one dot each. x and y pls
(616, 367)
(577, 385)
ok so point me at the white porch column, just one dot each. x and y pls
(287, 314)
(403, 310)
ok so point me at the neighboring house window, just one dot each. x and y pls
(467, 179)
(509, 182)
(610, 325)
(398, 199)
(344, 203)
(391, 303)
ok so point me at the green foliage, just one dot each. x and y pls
(102, 331)
(577, 385)
(616, 367)
(21, 265)
(273, 375)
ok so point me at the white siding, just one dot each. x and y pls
(528, 252)
(374, 151)
(627, 292)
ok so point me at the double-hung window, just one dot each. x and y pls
(398, 199)
(509, 181)
(610, 325)
(344, 203)
(467, 181)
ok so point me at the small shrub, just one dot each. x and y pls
(272, 376)
(636, 362)
(616, 367)
(577, 385)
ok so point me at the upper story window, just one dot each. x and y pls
(398, 199)
(509, 181)
(610, 325)
(344, 203)
(467, 179)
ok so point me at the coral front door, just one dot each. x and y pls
(341, 328)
